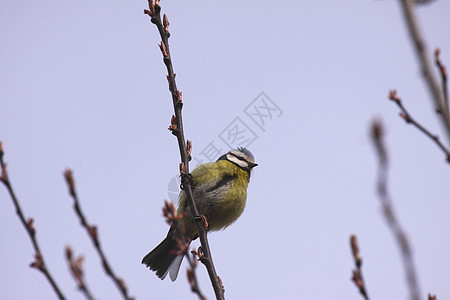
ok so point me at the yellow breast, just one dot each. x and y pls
(220, 192)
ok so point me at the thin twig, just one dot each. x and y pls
(405, 115)
(425, 64)
(76, 268)
(443, 72)
(39, 262)
(357, 276)
(388, 211)
(192, 277)
(183, 242)
(176, 127)
(93, 234)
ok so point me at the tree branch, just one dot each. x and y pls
(422, 55)
(183, 243)
(388, 211)
(410, 120)
(192, 277)
(443, 72)
(357, 272)
(39, 262)
(176, 127)
(92, 232)
(76, 268)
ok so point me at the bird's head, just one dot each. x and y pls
(242, 157)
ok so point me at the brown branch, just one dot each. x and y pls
(405, 115)
(425, 64)
(183, 242)
(76, 268)
(93, 234)
(357, 276)
(39, 262)
(176, 127)
(389, 214)
(443, 72)
(192, 277)
(432, 297)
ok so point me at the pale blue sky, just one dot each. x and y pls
(83, 86)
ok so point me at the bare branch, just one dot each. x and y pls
(443, 72)
(410, 120)
(76, 268)
(192, 277)
(389, 214)
(357, 276)
(154, 12)
(183, 242)
(93, 234)
(39, 262)
(425, 64)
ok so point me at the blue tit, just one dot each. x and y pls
(220, 193)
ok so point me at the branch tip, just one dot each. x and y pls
(147, 12)
(151, 7)
(405, 115)
(166, 23)
(68, 252)
(68, 175)
(355, 250)
(377, 130)
(437, 51)
(393, 95)
(439, 64)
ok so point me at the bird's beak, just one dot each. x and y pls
(252, 165)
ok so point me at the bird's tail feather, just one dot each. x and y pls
(162, 260)
(175, 267)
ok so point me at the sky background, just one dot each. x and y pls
(83, 85)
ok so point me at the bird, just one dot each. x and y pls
(220, 193)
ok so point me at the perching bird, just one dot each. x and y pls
(220, 193)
